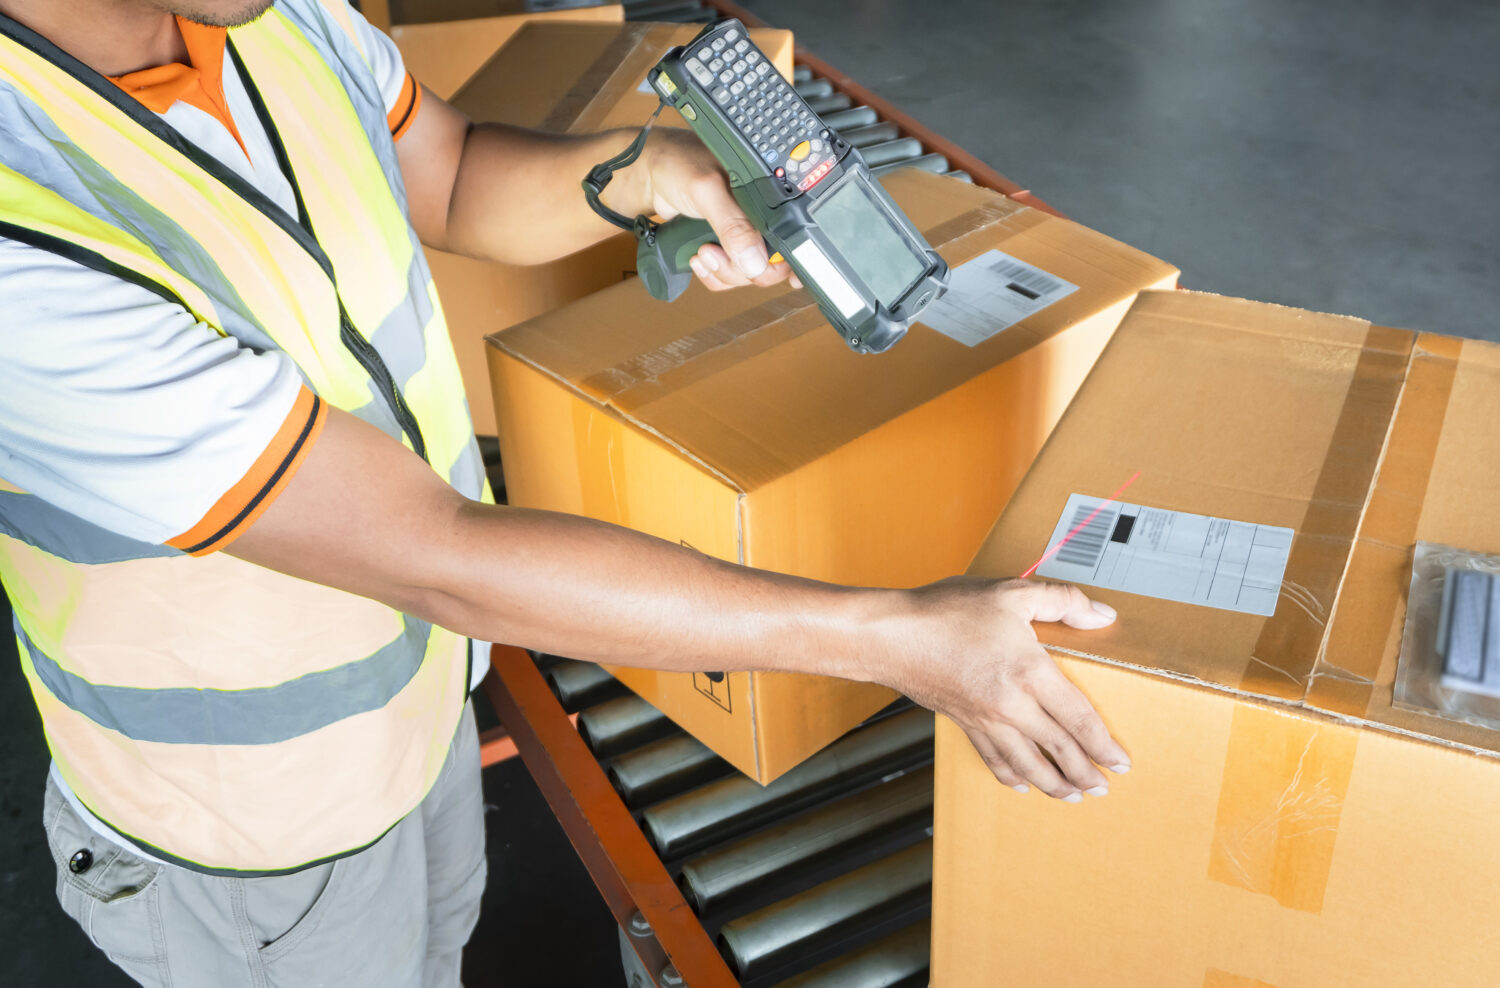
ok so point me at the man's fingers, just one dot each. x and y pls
(997, 765)
(1071, 710)
(1065, 603)
(1070, 758)
(709, 278)
(717, 263)
(1022, 754)
(742, 243)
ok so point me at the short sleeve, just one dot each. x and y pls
(399, 90)
(120, 407)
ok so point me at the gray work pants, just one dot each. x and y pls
(396, 914)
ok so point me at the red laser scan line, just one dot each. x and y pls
(1081, 525)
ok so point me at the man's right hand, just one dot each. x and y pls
(978, 661)
(571, 586)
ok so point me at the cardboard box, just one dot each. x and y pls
(1283, 825)
(740, 424)
(569, 78)
(443, 44)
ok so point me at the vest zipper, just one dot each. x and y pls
(371, 361)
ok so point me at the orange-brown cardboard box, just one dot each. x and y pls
(1283, 826)
(740, 424)
(572, 78)
(444, 43)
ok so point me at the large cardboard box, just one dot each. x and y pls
(568, 78)
(1284, 825)
(443, 43)
(740, 424)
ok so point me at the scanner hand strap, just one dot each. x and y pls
(601, 174)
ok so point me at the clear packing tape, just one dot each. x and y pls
(1449, 664)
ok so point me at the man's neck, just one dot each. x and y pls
(112, 37)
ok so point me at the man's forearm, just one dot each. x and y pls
(583, 588)
(517, 195)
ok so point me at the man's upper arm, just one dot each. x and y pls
(120, 408)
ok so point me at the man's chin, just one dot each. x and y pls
(218, 13)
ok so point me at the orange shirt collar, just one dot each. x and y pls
(199, 84)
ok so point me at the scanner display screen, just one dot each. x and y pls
(859, 228)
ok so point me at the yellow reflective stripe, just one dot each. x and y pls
(47, 212)
(436, 393)
(45, 590)
(6, 485)
(284, 287)
(335, 168)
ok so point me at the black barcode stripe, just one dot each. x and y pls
(1087, 545)
(1027, 277)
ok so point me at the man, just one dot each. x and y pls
(243, 520)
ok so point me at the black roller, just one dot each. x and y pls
(663, 768)
(729, 873)
(618, 725)
(734, 805)
(891, 962)
(758, 943)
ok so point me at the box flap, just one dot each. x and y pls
(581, 77)
(1237, 410)
(432, 11)
(1439, 482)
(753, 383)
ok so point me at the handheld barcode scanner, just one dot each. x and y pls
(804, 188)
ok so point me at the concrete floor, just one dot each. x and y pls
(1340, 156)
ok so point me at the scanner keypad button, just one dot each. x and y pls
(741, 45)
(736, 87)
(696, 69)
(718, 44)
(721, 94)
(739, 67)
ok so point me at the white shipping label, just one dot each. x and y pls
(1194, 559)
(990, 294)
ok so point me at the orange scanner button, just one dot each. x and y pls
(776, 258)
(801, 151)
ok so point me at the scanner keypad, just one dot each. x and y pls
(770, 115)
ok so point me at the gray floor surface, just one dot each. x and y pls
(1340, 156)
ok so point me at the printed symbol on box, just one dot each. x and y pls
(715, 686)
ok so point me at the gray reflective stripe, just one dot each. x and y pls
(467, 474)
(44, 154)
(401, 336)
(30, 519)
(266, 715)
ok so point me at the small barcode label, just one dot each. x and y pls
(1173, 555)
(989, 294)
(1035, 282)
(1090, 527)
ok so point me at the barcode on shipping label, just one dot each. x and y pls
(990, 294)
(1172, 555)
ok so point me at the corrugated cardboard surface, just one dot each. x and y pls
(740, 424)
(1265, 833)
(566, 77)
(442, 52)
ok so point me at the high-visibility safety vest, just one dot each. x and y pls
(215, 713)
